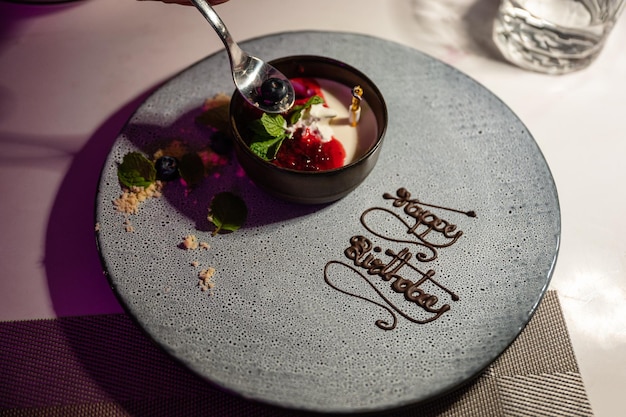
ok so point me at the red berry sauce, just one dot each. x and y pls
(306, 151)
(305, 88)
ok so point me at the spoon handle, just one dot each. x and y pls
(237, 56)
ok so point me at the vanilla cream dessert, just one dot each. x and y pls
(330, 125)
(356, 141)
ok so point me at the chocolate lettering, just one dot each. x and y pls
(390, 270)
(423, 224)
(369, 260)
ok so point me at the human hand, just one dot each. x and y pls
(187, 3)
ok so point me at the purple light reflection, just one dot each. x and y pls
(75, 279)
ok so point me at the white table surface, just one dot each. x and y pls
(71, 74)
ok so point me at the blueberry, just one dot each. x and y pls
(273, 90)
(166, 168)
(221, 143)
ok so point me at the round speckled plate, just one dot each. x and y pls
(295, 319)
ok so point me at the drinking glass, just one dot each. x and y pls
(554, 36)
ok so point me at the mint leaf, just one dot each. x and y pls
(228, 212)
(136, 171)
(274, 125)
(260, 127)
(269, 133)
(191, 169)
(267, 149)
(296, 111)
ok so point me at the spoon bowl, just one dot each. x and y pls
(250, 73)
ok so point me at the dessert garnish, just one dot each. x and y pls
(272, 129)
(142, 178)
(355, 106)
(398, 266)
(215, 113)
(138, 178)
(274, 90)
(296, 111)
(136, 171)
(228, 212)
(302, 139)
(166, 168)
(248, 71)
(130, 199)
(205, 279)
(191, 169)
(190, 242)
(221, 143)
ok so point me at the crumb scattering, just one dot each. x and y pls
(220, 99)
(206, 279)
(176, 148)
(128, 226)
(130, 199)
(190, 242)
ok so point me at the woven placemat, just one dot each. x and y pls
(106, 366)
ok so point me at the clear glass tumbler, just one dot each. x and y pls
(554, 36)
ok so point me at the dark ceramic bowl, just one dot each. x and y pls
(308, 187)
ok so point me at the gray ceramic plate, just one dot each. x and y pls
(280, 330)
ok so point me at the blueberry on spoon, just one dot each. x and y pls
(274, 90)
(249, 72)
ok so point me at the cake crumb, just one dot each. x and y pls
(195, 264)
(97, 228)
(205, 245)
(190, 242)
(220, 99)
(206, 279)
(128, 226)
(176, 148)
(130, 199)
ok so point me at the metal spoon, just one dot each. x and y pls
(259, 83)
